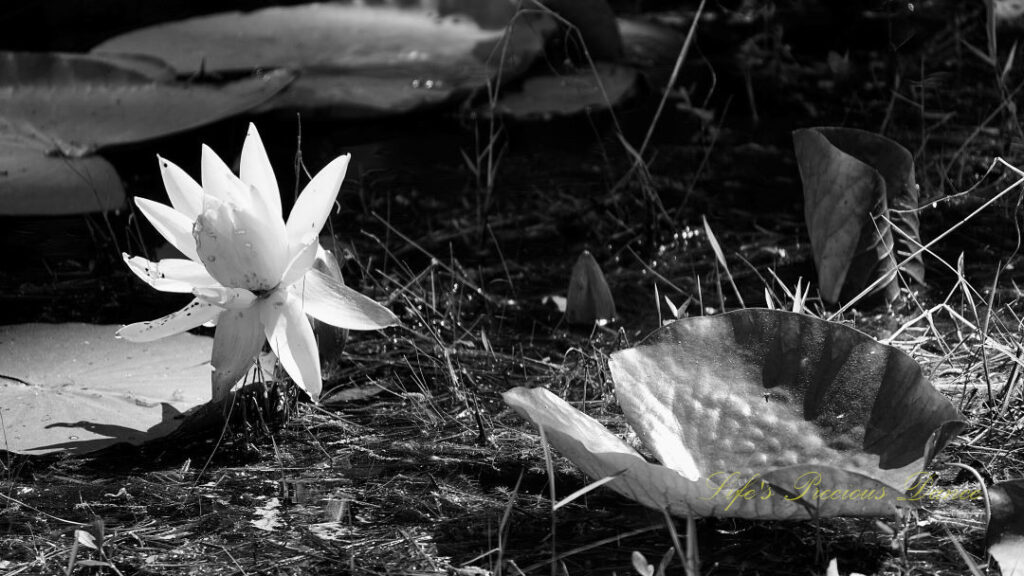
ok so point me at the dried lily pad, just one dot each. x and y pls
(759, 413)
(76, 388)
(35, 183)
(78, 104)
(853, 181)
(1006, 526)
(547, 96)
(353, 59)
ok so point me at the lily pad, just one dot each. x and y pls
(76, 388)
(78, 104)
(1006, 526)
(547, 96)
(595, 22)
(759, 414)
(649, 45)
(35, 183)
(353, 59)
(853, 182)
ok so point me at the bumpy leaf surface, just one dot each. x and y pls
(759, 413)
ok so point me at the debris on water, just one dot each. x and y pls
(269, 519)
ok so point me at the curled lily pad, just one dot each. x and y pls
(855, 183)
(759, 413)
(77, 104)
(1006, 526)
(353, 59)
(76, 388)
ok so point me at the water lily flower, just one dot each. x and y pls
(250, 272)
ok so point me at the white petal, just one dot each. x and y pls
(171, 224)
(236, 344)
(301, 263)
(170, 274)
(330, 301)
(228, 298)
(185, 193)
(219, 181)
(238, 249)
(291, 338)
(189, 317)
(257, 172)
(314, 205)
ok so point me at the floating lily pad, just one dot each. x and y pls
(353, 59)
(33, 182)
(78, 104)
(547, 96)
(855, 183)
(759, 413)
(1006, 526)
(76, 388)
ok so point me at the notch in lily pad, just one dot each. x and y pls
(860, 204)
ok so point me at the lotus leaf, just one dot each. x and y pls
(759, 414)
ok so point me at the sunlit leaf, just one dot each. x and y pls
(759, 413)
(78, 104)
(354, 59)
(76, 388)
(854, 183)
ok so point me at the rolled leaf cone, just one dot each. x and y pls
(1005, 536)
(856, 182)
(589, 299)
